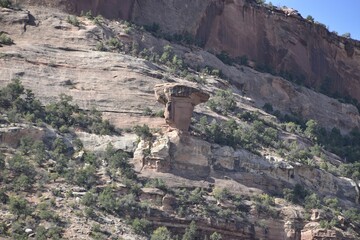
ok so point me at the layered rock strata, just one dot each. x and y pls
(179, 101)
(272, 37)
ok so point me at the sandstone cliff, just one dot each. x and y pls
(275, 40)
(52, 56)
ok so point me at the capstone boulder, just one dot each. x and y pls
(179, 101)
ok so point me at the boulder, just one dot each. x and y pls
(179, 101)
(168, 203)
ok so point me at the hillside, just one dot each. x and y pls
(264, 157)
(276, 40)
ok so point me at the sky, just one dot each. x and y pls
(340, 16)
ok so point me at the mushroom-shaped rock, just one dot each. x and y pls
(179, 101)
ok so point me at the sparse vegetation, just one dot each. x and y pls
(46, 183)
(310, 19)
(161, 233)
(73, 20)
(190, 232)
(143, 131)
(100, 47)
(21, 103)
(5, 3)
(223, 102)
(5, 39)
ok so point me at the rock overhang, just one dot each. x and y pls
(179, 101)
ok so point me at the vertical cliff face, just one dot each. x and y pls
(283, 43)
(274, 40)
(271, 38)
(112, 9)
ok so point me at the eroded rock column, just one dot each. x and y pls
(179, 101)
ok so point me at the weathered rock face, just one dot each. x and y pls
(190, 156)
(11, 135)
(174, 151)
(272, 38)
(179, 103)
(324, 234)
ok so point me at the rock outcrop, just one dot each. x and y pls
(174, 152)
(12, 135)
(179, 101)
(274, 38)
(186, 155)
(77, 71)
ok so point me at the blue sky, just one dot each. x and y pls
(340, 16)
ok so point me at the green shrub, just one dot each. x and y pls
(225, 58)
(157, 183)
(148, 112)
(215, 236)
(352, 215)
(265, 199)
(73, 20)
(312, 201)
(20, 165)
(2, 161)
(195, 196)
(243, 60)
(6, 40)
(115, 44)
(100, 47)
(39, 151)
(167, 54)
(332, 203)
(190, 232)
(221, 193)
(22, 183)
(119, 161)
(59, 146)
(89, 199)
(268, 108)
(223, 102)
(153, 28)
(142, 131)
(98, 20)
(160, 113)
(88, 14)
(107, 200)
(140, 226)
(310, 18)
(5, 3)
(296, 195)
(195, 78)
(4, 198)
(89, 212)
(261, 2)
(86, 176)
(19, 206)
(10, 94)
(161, 233)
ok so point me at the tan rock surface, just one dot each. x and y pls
(179, 101)
(274, 38)
(54, 56)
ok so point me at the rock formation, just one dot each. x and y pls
(179, 101)
(274, 38)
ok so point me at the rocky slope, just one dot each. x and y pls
(278, 40)
(74, 69)
(52, 56)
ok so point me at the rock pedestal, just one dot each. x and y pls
(179, 101)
